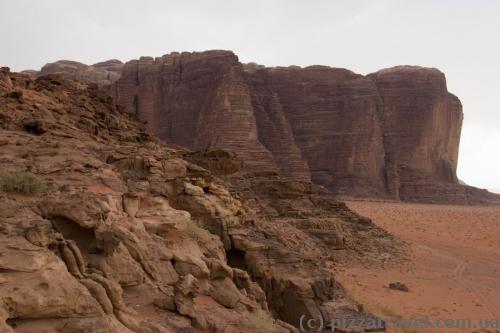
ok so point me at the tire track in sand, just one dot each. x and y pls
(458, 274)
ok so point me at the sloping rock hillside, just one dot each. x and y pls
(105, 229)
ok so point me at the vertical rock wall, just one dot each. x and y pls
(421, 122)
(392, 134)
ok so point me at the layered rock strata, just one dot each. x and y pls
(393, 134)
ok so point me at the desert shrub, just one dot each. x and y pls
(21, 182)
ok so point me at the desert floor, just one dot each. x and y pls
(454, 272)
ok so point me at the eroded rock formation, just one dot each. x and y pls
(129, 235)
(392, 134)
(101, 73)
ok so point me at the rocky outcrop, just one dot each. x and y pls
(129, 235)
(102, 73)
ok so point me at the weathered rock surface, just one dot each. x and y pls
(198, 101)
(334, 117)
(393, 134)
(422, 123)
(129, 235)
(101, 73)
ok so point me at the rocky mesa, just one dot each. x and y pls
(393, 134)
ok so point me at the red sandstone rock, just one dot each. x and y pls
(335, 122)
(197, 100)
(392, 134)
(422, 122)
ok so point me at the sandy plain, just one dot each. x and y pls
(453, 275)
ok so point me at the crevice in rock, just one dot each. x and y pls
(136, 106)
(391, 175)
(236, 259)
(85, 238)
(12, 322)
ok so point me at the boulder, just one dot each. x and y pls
(225, 292)
(219, 269)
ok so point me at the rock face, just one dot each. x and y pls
(392, 134)
(129, 235)
(198, 101)
(422, 124)
(335, 121)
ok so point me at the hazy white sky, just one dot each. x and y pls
(459, 37)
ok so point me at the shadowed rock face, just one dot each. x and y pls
(392, 134)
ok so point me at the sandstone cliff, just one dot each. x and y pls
(198, 101)
(393, 134)
(105, 229)
(421, 124)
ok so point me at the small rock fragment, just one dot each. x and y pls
(398, 286)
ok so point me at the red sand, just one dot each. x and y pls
(455, 270)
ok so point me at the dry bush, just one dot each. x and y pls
(21, 182)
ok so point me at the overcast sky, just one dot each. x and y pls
(459, 37)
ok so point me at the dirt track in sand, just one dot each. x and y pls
(454, 272)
